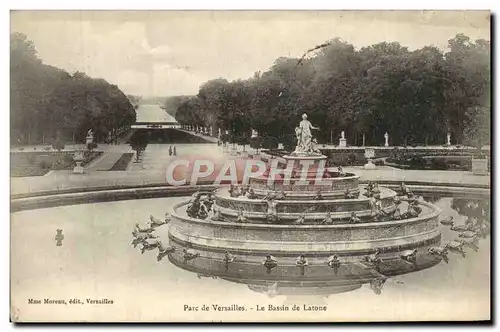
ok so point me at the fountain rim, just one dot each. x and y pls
(305, 157)
(321, 202)
(351, 176)
(436, 211)
(82, 195)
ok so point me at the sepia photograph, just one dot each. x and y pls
(250, 166)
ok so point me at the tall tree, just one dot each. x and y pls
(417, 96)
(49, 103)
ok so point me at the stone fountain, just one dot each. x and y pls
(295, 226)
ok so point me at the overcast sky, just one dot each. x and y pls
(173, 53)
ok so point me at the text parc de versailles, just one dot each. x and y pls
(270, 307)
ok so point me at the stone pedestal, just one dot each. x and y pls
(480, 166)
(313, 164)
(370, 165)
(369, 155)
(78, 158)
(78, 168)
(89, 139)
(342, 143)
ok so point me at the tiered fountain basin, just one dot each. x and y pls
(288, 241)
(304, 185)
(315, 279)
(254, 236)
(333, 187)
(289, 209)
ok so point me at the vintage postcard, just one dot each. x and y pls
(250, 166)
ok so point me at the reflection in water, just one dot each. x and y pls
(270, 263)
(431, 198)
(334, 263)
(377, 284)
(478, 216)
(308, 276)
(120, 272)
(59, 237)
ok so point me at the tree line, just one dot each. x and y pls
(48, 103)
(416, 96)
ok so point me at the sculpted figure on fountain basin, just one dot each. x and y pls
(305, 145)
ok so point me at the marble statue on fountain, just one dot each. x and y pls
(306, 145)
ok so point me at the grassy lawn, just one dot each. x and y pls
(40, 163)
(461, 163)
(122, 163)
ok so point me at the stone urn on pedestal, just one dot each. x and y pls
(78, 158)
(369, 155)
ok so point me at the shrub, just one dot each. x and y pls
(255, 142)
(68, 158)
(440, 164)
(31, 159)
(44, 164)
(351, 159)
(270, 143)
(91, 146)
(242, 140)
(58, 145)
(479, 155)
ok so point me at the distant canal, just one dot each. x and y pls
(153, 113)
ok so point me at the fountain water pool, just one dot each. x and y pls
(98, 261)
